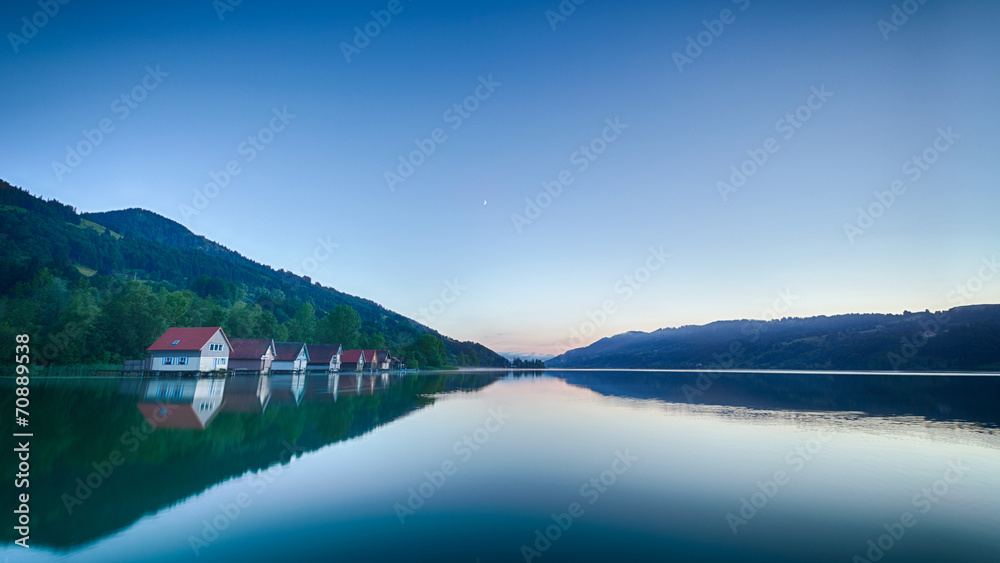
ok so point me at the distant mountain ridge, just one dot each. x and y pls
(962, 338)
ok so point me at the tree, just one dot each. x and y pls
(342, 325)
(428, 350)
(129, 322)
(373, 342)
(250, 321)
(302, 326)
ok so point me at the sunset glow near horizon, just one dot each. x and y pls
(646, 165)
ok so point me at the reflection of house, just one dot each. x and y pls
(325, 357)
(352, 360)
(321, 387)
(130, 386)
(290, 356)
(247, 393)
(373, 382)
(254, 354)
(181, 403)
(287, 389)
(349, 383)
(190, 349)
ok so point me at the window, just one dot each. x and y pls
(176, 342)
(222, 361)
(168, 361)
(182, 361)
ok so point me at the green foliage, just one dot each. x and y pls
(518, 363)
(427, 351)
(342, 326)
(302, 327)
(187, 280)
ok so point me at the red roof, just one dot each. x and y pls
(288, 351)
(188, 339)
(248, 348)
(178, 416)
(352, 356)
(323, 353)
(370, 355)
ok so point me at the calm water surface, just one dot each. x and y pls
(554, 466)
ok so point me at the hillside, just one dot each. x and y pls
(963, 338)
(53, 259)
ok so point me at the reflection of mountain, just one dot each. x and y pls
(968, 398)
(176, 402)
(167, 465)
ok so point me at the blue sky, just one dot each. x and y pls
(538, 281)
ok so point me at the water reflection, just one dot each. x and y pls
(181, 403)
(179, 436)
(249, 393)
(702, 439)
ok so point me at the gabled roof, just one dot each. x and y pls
(188, 339)
(249, 348)
(383, 355)
(323, 353)
(289, 351)
(369, 355)
(180, 416)
(352, 356)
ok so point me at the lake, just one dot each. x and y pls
(505, 466)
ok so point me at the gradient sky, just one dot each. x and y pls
(323, 175)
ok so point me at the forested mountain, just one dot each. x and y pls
(100, 287)
(963, 338)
